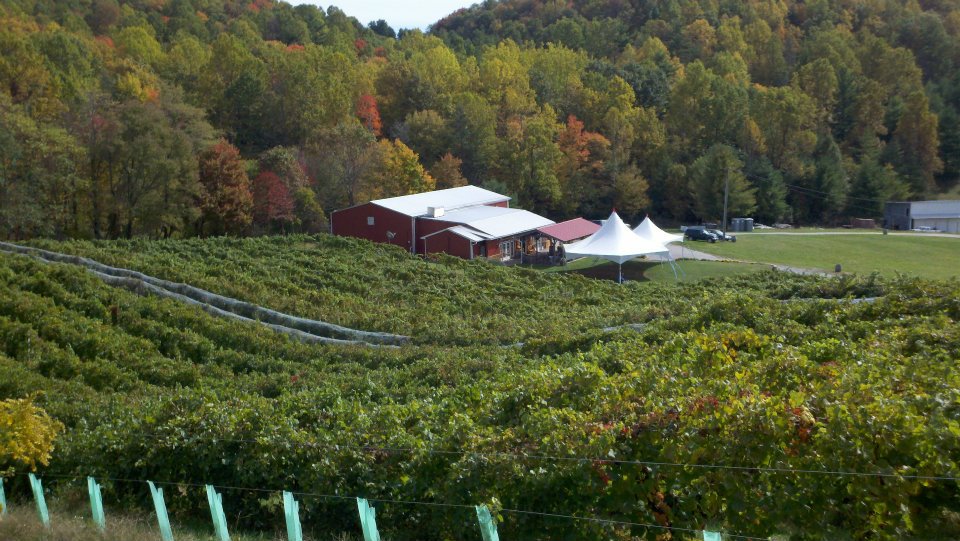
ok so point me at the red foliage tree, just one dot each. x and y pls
(272, 201)
(225, 198)
(369, 114)
(361, 45)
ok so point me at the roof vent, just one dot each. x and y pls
(435, 212)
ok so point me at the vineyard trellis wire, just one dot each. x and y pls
(612, 522)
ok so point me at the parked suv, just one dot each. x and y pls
(720, 236)
(699, 233)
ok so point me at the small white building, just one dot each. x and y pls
(940, 215)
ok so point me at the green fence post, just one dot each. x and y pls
(3, 499)
(368, 520)
(41, 502)
(166, 533)
(711, 536)
(96, 503)
(216, 512)
(488, 528)
(291, 509)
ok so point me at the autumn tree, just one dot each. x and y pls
(446, 172)
(584, 178)
(368, 113)
(630, 193)
(27, 434)
(273, 205)
(291, 170)
(225, 198)
(396, 171)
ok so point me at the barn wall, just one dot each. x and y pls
(426, 227)
(897, 216)
(352, 222)
(449, 243)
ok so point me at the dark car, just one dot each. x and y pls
(699, 233)
(720, 235)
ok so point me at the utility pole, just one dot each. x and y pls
(726, 196)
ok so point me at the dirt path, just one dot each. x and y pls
(682, 251)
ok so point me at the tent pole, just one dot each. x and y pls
(620, 269)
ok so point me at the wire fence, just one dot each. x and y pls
(303, 494)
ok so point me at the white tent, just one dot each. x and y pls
(615, 242)
(649, 230)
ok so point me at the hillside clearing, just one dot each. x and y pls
(928, 257)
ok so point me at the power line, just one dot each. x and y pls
(828, 193)
(817, 193)
(608, 460)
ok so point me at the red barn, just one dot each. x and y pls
(467, 222)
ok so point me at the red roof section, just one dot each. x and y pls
(574, 229)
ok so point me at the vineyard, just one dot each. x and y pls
(759, 405)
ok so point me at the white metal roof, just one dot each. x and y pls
(493, 222)
(499, 222)
(451, 198)
(467, 233)
(615, 242)
(649, 230)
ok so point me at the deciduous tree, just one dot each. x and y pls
(446, 171)
(225, 198)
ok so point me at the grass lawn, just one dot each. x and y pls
(929, 257)
(653, 271)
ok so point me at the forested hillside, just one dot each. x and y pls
(171, 118)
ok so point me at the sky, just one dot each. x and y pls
(398, 13)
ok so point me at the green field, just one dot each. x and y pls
(725, 403)
(929, 257)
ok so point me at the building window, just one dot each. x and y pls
(369, 220)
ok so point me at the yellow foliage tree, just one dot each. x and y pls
(26, 434)
(396, 171)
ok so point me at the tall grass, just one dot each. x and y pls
(23, 524)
